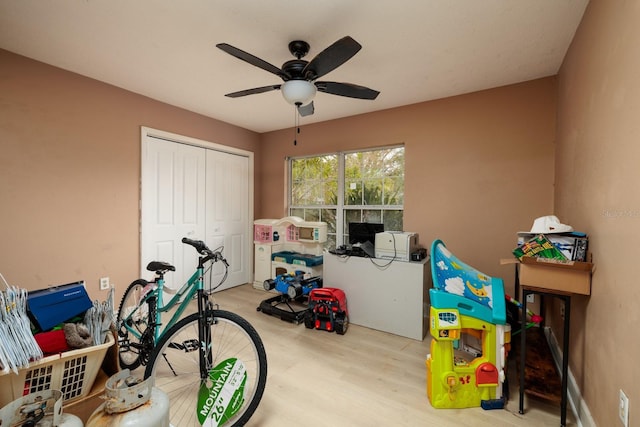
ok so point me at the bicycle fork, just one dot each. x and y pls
(204, 334)
(202, 344)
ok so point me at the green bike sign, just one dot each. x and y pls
(219, 402)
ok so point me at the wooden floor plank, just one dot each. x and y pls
(361, 379)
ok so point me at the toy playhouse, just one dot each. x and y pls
(287, 245)
(470, 336)
(288, 259)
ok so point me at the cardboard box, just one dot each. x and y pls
(570, 276)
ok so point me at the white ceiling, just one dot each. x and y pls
(413, 50)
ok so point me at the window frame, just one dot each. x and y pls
(340, 206)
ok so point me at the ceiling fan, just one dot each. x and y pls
(299, 75)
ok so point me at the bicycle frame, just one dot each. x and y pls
(194, 285)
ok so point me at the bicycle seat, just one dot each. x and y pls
(160, 266)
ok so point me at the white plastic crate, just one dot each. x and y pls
(72, 372)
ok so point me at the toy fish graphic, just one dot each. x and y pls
(479, 292)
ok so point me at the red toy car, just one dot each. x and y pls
(327, 310)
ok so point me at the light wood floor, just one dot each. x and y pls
(363, 378)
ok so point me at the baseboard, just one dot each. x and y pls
(577, 403)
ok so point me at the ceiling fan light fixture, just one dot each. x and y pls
(298, 92)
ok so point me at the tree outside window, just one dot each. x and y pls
(339, 188)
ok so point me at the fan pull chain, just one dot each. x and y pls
(296, 124)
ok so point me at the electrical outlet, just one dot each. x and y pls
(531, 298)
(104, 283)
(623, 409)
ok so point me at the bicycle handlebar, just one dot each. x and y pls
(199, 245)
(203, 249)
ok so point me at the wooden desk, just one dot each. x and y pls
(566, 297)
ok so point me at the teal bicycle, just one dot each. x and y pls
(211, 363)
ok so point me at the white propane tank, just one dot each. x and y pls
(131, 402)
(41, 409)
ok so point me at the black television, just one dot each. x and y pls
(363, 232)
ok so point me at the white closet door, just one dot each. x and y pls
(201, 190)
(173, 205)
(227, 216)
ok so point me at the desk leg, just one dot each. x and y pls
(565, 359)
(523, 346)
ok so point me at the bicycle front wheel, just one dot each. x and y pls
(235, 371)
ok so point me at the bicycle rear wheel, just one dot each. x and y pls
(236, 370)
(137, 317)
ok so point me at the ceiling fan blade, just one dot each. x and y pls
(306, 110)
(331, 58)
(253, 91)
(253, 60)
(347, 89)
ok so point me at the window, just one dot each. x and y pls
(339, 188)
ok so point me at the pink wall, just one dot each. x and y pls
(479, 167)
(597, 178)
(70, 165)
